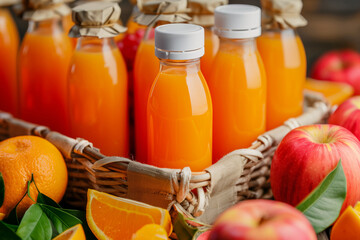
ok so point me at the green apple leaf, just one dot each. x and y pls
(7, 232)
(2, 190)
(35, 225)
(60, 219)
(322, 206)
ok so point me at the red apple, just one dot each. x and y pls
(307, 154)
(339, 66)
(347, 115)
(262, 219)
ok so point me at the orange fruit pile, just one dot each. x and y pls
(111, 217)
(20, 157)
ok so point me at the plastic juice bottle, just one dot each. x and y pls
(98, 84)
(43, 63)
(212, 43)
(238, 81)
(68, 23)
(179, 110)
(202, 13)
(9, 43)
(146, 64)
(285, 63)
(133, 26)
(146, 68)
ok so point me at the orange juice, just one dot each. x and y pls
(238, 90)
(238, 81)
(68, 24)
(9, 42)
(98, 95)
(211, 48)
(285, 63)
(43, 64)
(145, 70)
(179, 111)
(133, 26)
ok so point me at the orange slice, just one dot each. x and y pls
(151, 231)
(335, 92)
(347, 227)
(111, 217)
(74, 233)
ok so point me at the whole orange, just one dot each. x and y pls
(25, 155)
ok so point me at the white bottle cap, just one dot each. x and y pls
(178, 41)
(237, 21)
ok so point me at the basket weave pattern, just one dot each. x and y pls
(242, 174)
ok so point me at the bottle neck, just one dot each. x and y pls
(95, 44)
(236, 45)
(50, 26)
(192, 65)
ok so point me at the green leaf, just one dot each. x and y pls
(60, 219)
(35, 225)
(185, 228)
(76, 213)
(28, 190)
(12, 217)
(11, 226)
(82, 216)
(2, 190)
(7, 233)
(42, 198)
(322, 206)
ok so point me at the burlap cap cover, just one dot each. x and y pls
(4, 3)
(169, 11)
(282, 14)
(97, 19)
(202, 11)
(39, 10)
(79, 2)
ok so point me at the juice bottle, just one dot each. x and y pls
(146, 67)
(202, 13)
(238, 81)
(212, 44)
(133, 26)
(284, 59)
(9, 42)
(179, 110)
(44, 58)
(98, 80)
(68, 23)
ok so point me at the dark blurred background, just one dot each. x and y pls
(333, 24)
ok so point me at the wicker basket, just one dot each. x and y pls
(242, 174)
